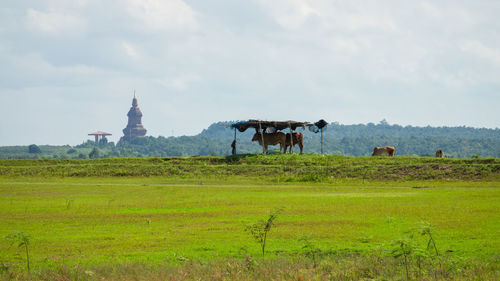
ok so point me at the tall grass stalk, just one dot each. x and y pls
(21, 240)
(260, 229)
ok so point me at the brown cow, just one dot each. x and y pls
(385, 150)
(270, 139)
(297, 139)
(439, 153)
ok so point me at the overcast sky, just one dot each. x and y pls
(70, 67)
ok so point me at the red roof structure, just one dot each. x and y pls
(99, 133)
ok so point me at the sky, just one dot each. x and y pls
(68, 68)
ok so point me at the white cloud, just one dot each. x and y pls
(130, 50)
(33, 70)
(362, 20)
(339, 15)
(163, 14)
(338, 57)
(478, 49)
(179, 82)
(289, 14)
(54, 21)
(430, 9)
(182, 82)
(345, 45)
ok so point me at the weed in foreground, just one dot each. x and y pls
(20, 239)
(261, 228)
(309, 249)
(413, 254)
(352, 267)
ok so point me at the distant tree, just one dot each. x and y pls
(33, 148)
(94, 153)
(383, 122)
(114, 153)
(86, 144)
(354, 140)
(103, 141)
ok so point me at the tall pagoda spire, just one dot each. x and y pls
(134, 127)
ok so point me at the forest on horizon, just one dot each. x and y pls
(348, 140)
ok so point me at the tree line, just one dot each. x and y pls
(339, 139)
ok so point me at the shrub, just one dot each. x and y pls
(94, 153)
(33, 148)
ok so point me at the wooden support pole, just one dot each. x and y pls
(321, 140)
(234, 142)
(262, 137)
(291, 137)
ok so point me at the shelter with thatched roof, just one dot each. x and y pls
(273, 126)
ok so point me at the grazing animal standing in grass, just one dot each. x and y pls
(270, 139)
(385, 150)
(439, 153)
(297, 139)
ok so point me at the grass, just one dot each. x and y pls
(195, 221)
(333, 267)
(279, 167)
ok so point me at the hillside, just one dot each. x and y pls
(335, 130)
(359, 140)
(349, 140)
(315, 168)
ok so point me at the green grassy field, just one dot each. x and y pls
(153, 211)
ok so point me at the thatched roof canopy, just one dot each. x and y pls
(277, 125)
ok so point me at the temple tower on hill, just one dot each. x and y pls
(134, 127)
